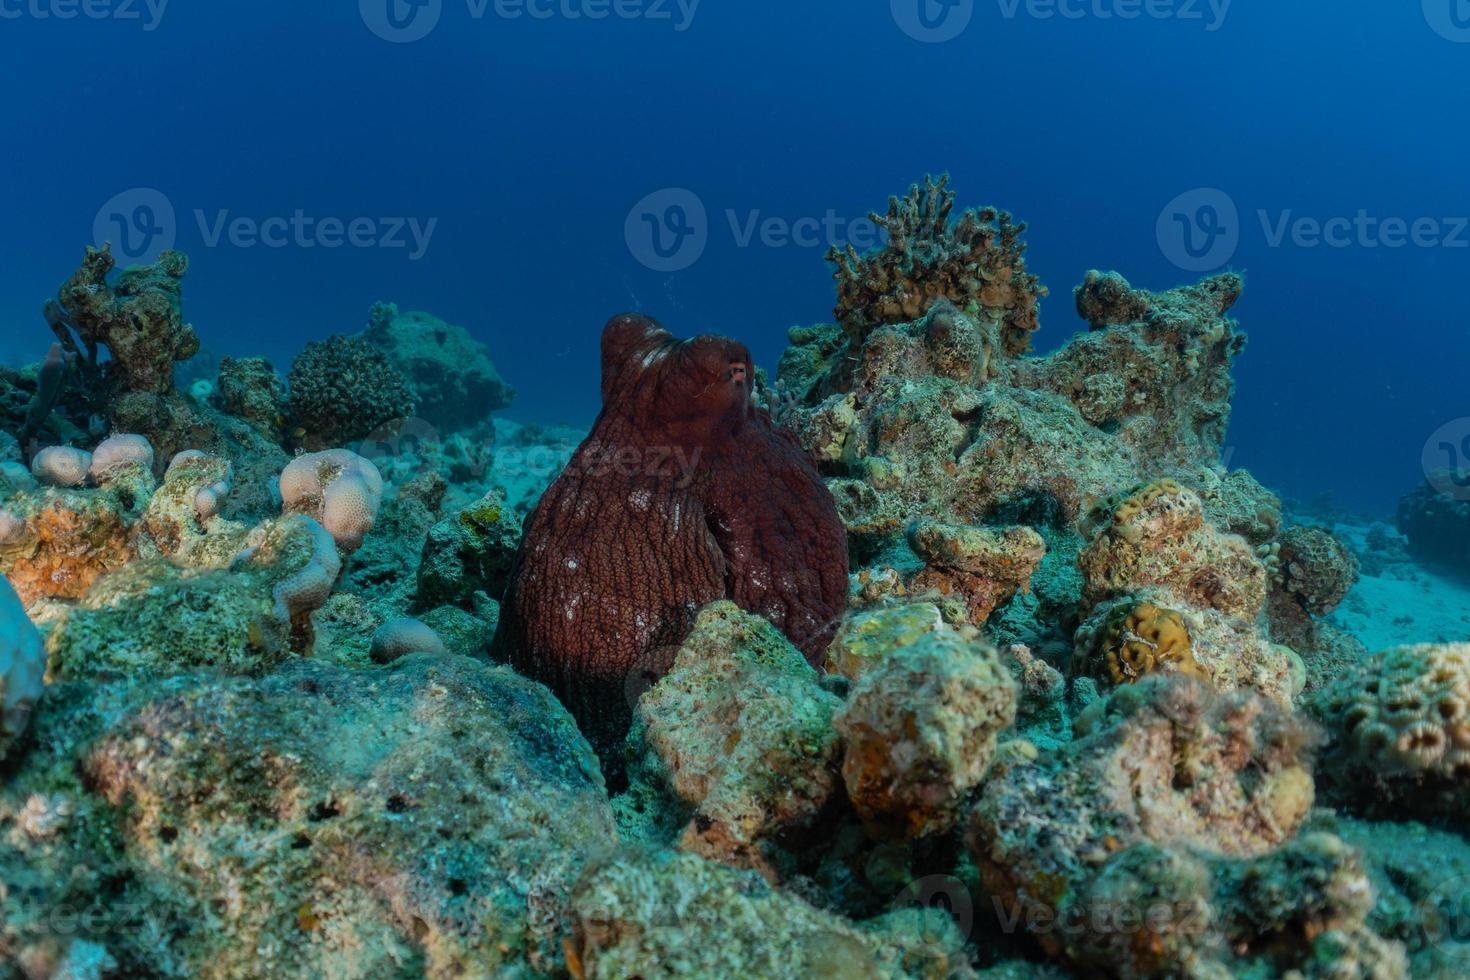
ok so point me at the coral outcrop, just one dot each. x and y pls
(1436, 519)
(1400, 726)
(645, 913)
(1316, 568)
(975, 261)
(319, 821)
(1160, 842)
(919, 731)
(740, 733)
(453, 381)
(343, 388)
(138, 320)
(251, 390)
(337, 488)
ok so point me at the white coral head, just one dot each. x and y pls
(61, 466)
(119, 450)
(400, 637)
(12, 528)
(339, 488)
(309, 587)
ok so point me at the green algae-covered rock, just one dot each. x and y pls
(326, 822)
(869, 637)
(665, 914)
(153, 618)
(468, 552)
(740, 732)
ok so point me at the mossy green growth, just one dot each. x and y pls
(481, 519)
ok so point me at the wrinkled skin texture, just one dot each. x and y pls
(683, 493)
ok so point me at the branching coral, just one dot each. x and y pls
(976, 263)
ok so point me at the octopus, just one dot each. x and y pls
(685, 492)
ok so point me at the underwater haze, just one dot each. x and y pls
(520, 135)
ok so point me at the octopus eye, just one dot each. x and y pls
(737, 371)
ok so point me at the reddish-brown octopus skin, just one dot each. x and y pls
(684, 493)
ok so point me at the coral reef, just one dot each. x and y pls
(684, 493)
(1080, 706)
(343, 388)
(975, 262)
(449, 372)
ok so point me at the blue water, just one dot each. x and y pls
(527, 140)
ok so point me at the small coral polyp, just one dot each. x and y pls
(1145, 639)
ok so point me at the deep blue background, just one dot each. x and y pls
(530, 140)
